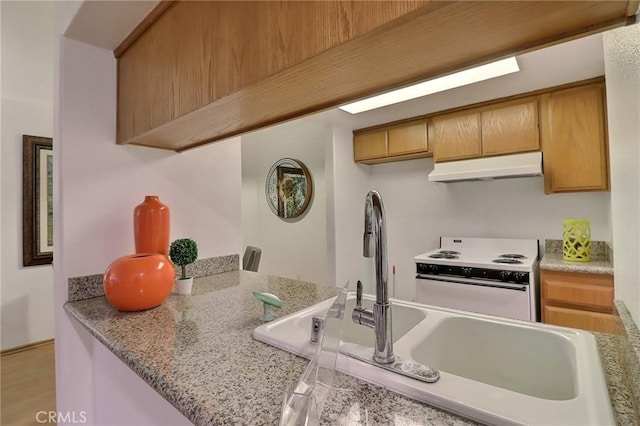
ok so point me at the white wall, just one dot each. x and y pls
(351, 184)
(622, 64)
(0, 158)
(97, 185)
(27, 108)
(295, 248)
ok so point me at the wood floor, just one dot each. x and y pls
(28, 386)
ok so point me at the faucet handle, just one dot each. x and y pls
(359, 294)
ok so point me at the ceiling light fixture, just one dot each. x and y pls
(440, 84)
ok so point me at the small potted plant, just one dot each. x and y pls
(182, 253)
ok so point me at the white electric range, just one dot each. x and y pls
(485, 275)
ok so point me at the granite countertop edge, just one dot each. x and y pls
(555, 262)
(136, 364)
(102, 322)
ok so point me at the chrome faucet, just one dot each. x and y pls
(375, 244)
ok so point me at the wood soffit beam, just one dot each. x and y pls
(152, 17)
(434, 40)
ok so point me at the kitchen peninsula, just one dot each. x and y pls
(197, 352)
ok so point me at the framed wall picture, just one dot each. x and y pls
(288, 188)
(37, 200)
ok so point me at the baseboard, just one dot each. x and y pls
(27, 347)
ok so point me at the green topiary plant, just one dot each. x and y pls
(183, 252)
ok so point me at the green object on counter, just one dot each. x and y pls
(268, 300)
(576, 240)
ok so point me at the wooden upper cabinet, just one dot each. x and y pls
(567, 123)
(503, 128)
(403, 141)
(370, 145)
(574, 140)
(408, 138)
(456, 137)
(510, 129)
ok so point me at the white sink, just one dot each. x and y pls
(493, 370)
(292, 333)
(509, 357)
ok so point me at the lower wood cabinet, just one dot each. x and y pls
(578, 300)
(575, 318)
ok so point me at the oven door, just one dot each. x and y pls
(492, 298)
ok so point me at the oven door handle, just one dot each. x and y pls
(506, 286)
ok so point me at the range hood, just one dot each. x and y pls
(506, 166)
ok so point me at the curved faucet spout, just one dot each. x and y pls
(375, 245)
(375, 242)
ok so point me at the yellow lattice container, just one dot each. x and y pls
(576, 240)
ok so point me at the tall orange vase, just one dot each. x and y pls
(151, 226)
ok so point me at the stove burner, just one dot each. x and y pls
(443, 256)
(509, 261)
(513, 256)
(449, 252)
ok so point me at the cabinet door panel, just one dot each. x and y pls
(510, 129)
(588, 295)
(408, 138)
(456, 137)
(370, 145)
(592, 321)
(574, 140)
(577, 290)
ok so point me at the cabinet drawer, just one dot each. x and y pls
(594, 292)
(591, 296)
(592, 321)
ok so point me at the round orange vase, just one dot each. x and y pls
(151, 226)
(138, 281)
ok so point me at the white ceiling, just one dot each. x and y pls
(106, 23)
(553, 66)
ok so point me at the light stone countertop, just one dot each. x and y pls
(601, 253)
(554, 262)
(197, 352)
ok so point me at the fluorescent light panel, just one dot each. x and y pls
(440, 84)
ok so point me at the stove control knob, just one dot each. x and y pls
(522, 277)
(505, 275)
(466, 271)
(433, 269)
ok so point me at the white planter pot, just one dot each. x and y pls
(183, 286)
